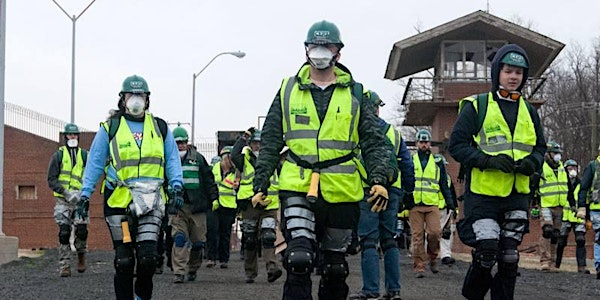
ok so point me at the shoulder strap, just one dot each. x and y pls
(357, 91)
(113, 126)
(162, 126)
(482, 103)
(59, 154)
(84, 156)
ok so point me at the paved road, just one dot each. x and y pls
(37, 278)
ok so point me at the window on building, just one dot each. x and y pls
(26, 192)
(468, 59)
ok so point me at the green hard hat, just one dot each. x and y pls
(553, 146)
(226, 150)
(570, 163)
(423, 135)
(135, 84)
(180, 134)
(323, 33)
(376, 99)
(71, 129)
(515, 59)
(256, 136)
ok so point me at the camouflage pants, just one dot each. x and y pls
(64, 216)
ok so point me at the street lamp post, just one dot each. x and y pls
(73, 19)
(238, 54)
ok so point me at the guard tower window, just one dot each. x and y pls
(468, 59)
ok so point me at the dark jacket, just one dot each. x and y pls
(237, 157)
(375, 153)
(462, 147)
(200, 199)
(586, 183)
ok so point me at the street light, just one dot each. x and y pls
(238, 54)
(73, 19)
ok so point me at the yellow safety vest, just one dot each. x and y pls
(315, 141)
(226, 192)
(427, 182)
(569, 215)
(273, 193)
(245, 191)
(70, 177)
(554, 189)
(396, 138)
(132, 161)
(495, 138)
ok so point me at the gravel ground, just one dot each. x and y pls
(37, 278)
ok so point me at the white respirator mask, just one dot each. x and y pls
(557, 157)
(136, 104)
(255, 153)
(320, 57)
(572, 174)
(182, 153)
(72, 143)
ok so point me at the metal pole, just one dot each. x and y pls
(74, 20)
(193, 108)
(2, 69)
(73, 73)
(238, 54)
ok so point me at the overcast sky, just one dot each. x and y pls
(167, 41)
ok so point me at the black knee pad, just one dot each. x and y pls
(336, 266)
(547, 231)
(146, 255)
(555, 235)
(81, 231)
(268, 238)
(388, 244)
(485, 254)
(368, 243)
(562, 241)
(580, 239)
(64, 233)
(124, 260)
(509, 263)
(299, 257)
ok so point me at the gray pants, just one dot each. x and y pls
(64, 216)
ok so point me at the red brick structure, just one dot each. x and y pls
(29, 203)
(457, 57)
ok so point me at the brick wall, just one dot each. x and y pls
(26, 158)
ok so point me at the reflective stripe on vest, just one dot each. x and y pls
(314, 141)
(427, 182)
(132, 161)
(245, 191)
(495, 138)
(554, 189)
(226, 192)
(70, 177)
(191, 169)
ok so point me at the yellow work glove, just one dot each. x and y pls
(215, 205)
(259, 198)
(581, 212)
(379, 198)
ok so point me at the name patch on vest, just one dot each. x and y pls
(298, 110)
(124, 145)
(492, 128)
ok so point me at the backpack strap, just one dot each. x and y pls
(84, 155)
(357, 91)
(482, 103)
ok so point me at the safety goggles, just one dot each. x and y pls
(509, 95)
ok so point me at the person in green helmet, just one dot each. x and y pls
(589, 194)
(570, 221)
(65, 173)
(323, 115)
(551, 187)
(141, 154)
(189, 222)
(499, 141)
(259, 218)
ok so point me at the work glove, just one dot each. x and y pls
(500, 162)
(249, 132)
(408, 201)
(260, 199)
(177, 197)
(446, 233)
(525, 166)
(83, 207)
(581, 212)
(70, 197)
(215, 205)
(379, 198)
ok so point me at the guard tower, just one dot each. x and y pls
(453, 60)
